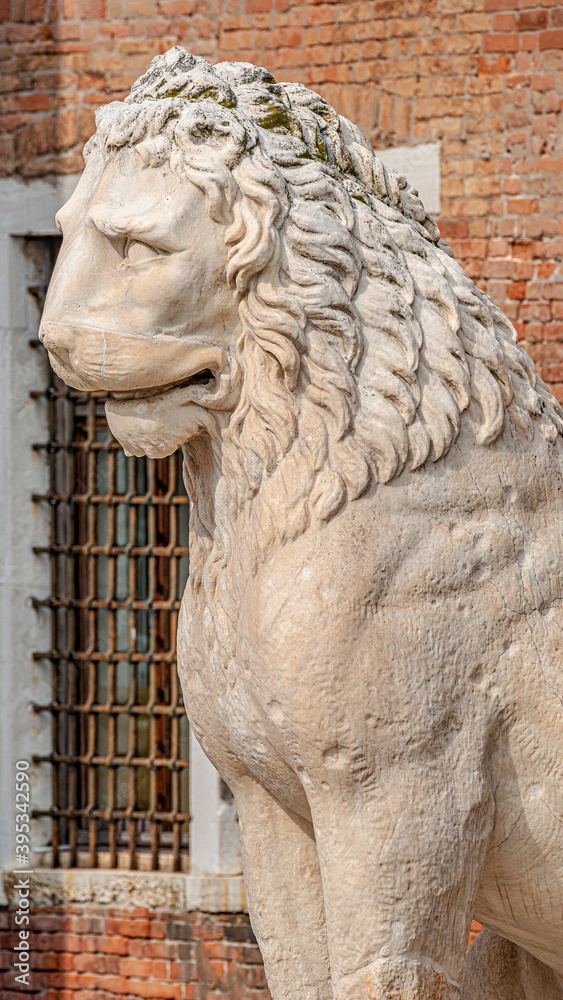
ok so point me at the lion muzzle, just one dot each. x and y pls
(89, 359)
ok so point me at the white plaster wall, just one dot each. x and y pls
(214, 840)
(421, 166)
(25, 209)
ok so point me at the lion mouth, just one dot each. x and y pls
(155, 422)
(205, 378)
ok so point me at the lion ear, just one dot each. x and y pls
(153, 152)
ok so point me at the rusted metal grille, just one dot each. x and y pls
(119, 562)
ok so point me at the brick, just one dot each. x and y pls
(20, 33)
(237, 40)
(551, 39)
(142, 969)
(35, 102)
(183, 971)
(453, 230)
(55, 961)
(522, 206)
(511, 185)
(504, 22)
(527, 42)
(129, 928)
(552, 331)
(155, 990)
(9, 84)
(386, 8)
(464, 44)
(90, 9)
(546, 268)
(469, 248)
(159, 949)
(533, 291)
(115, 30)
(517, 290)
(452, 187)
(535, 311)
(549, 164)
(470, 207)
(322, 14)
(442, 127)
(546, 353)
(474, 22)
(500, 42)
(286, 36)
(106, 964)
(176, 8)
(490, 84)
(532, 20)
(113, 945)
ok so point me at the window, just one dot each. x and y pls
(119, 561)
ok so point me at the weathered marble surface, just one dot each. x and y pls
(370, 640)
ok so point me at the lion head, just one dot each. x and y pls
(249, 281)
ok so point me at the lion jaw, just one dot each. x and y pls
(155, 426)
(159, 423)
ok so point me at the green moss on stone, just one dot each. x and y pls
(275, 118)
(171, 93)
(321, 147)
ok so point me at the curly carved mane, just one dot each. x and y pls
(363, 344)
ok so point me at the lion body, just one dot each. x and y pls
(381, 641)
(370, 639)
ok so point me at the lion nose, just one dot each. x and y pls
(75, 361)
(55, 339)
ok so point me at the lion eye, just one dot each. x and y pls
(136, 252)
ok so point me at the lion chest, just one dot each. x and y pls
(348, 638)
(230, 713)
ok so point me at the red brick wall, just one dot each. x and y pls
(107, 954)
(483, 76)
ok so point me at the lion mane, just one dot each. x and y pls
(363, 344)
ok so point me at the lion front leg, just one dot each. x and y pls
(285, 902)
(400, 858)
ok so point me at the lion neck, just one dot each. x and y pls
(233, 528)
(217, 509)
(221, 553)
(202, 473)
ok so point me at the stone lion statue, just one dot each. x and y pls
(371, 638)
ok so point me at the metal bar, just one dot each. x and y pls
(135, 814)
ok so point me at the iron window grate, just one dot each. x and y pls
(119, 562)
